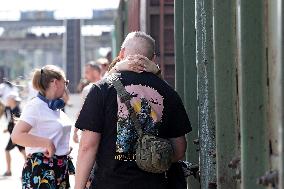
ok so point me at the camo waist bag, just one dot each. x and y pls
(153, 154)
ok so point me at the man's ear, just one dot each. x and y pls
(121, 53)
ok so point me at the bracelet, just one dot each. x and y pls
(116, 68)
(159, 70)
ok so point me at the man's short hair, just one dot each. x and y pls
(139, 42)
(94, 66)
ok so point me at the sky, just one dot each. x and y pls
(10, 9)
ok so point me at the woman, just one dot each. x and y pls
(44, 129)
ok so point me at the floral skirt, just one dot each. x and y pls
(40, 172)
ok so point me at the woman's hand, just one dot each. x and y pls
(136, 63)
(75, 136)
(50, 149)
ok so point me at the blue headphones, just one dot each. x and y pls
(52, 104)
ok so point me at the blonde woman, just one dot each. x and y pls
(44, 130)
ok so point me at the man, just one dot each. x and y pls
(92, 75)
(109, 136)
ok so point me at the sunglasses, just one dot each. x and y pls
(66, 82)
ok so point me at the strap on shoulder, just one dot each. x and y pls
(125, 98)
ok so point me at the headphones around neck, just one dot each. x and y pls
(52, 104)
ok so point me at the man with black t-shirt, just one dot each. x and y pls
(108, 135)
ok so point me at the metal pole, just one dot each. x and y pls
(274, 67)
(253, 92)
(225, 56)
(190, 82)
(72, 52)
(280, 10)
(178, 16)
(206, 101)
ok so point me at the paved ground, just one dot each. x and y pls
(14, 181)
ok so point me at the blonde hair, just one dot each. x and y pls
(42, 77)
(139, 42)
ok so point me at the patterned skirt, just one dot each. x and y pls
(40, 172)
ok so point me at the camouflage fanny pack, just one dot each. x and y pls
(153, 154)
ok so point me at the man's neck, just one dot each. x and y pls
(95, 80)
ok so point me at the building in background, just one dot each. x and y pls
(36, 39)
(155, 17)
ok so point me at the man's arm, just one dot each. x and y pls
(179, 145)
(75, 133)
(88, 148)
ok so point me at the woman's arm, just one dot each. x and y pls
(135, 63)
(21, 137)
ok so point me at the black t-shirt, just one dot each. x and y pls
(160, 111)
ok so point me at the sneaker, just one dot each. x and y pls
(7, 174)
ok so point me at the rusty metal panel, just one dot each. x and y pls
(169, 34)
(281, 39)
(157, 2)
(179, 71)
(225, 58)
(253, 92)
(162, 39)
(160, 25)
(121, 25)
(206, 100)
(190, 83)
(133, 15)
(275, 67)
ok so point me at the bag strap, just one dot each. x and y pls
(125, 98)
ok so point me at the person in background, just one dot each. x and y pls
(65, 98)
(104, 64)
(92, 75)
(83, 82)
(5, 89)
(44, 130)
(12, 111)
(109, 56)
(31, 92)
